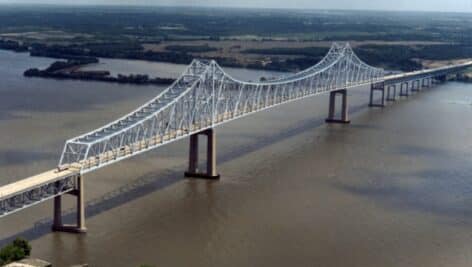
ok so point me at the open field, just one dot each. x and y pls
(241, 50)
(272, 39)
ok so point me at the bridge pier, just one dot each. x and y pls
(435, 81)
(332, 107)
(415, 85)
(406, 93)
(389, 89)
(193, 171)
(58, 225)
(377, 87)
(425, 83)
(442, 78)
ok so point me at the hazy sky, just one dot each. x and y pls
(427, 5)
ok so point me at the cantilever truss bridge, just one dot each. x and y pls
(203, 97)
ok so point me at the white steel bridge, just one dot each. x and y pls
(203, 97)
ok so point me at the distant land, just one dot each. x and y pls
(274, 39)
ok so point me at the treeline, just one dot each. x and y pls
(291, 64)
(17, 250)
(403, 57)
(191, 48)
(12, 45)
(305, 51)
(395, 57)
(63, 65)
(69, 70)
(110, 50)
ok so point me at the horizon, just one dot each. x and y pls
(207, 4)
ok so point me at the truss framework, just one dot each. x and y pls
(205, 96)
(33, 196)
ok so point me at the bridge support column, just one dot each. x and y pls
(389, 91)
(332, 107)
(442, 78)
(415, 86)
(404, 85)
(425, 83)
(377, 87)
(211, 156)
(58, 226)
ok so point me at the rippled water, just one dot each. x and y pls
(393, 188)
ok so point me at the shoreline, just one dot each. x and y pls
(79, 53)
(71, 70)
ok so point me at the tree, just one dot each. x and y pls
(17, 250)
(23, 244)
(11, 253)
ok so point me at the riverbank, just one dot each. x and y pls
(263, 55)
(273, 59)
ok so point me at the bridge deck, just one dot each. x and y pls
(427, 72)
(35, 182)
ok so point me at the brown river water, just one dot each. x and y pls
(393, 188)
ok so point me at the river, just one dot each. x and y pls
(393, 188)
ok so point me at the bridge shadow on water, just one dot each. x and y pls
(152, 182)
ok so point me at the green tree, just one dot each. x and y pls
(23, 244)
(11, 253)
(17, 250)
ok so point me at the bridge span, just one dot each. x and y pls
(204, 97)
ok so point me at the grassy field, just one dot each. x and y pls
(256, 38)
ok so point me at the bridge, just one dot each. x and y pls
(202, 98)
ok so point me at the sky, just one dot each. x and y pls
(413, 5)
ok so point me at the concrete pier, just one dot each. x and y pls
(427, 82)
(391, 92)
(58, 225)
(377, 87)
(193, 171)
(404, 89)
(332, 107)
(441, 78)
(415, 85)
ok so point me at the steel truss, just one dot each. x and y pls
(33, 196)
(205, 96)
